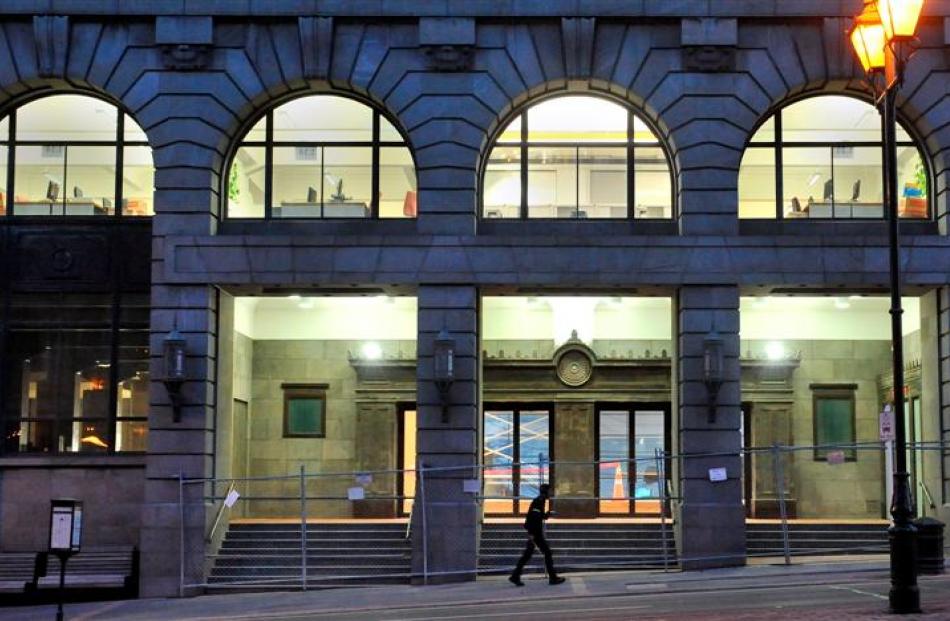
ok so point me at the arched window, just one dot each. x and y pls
(322, 156)
(577, 156)
(822, 158)
(74, 155)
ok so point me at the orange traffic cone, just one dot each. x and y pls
(619, 491)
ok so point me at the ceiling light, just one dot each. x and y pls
(774, 350)
(842, 304)
(372, 351)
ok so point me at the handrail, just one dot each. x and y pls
(933, 505)
(217, 518)
(412, 508)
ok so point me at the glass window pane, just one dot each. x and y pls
(297, 183)
(132, 402)
(246, 182)
(132, 132)
(258, 133)
(652, 184)
(766, 132)
(323, 118)
(577, 118)
(138, 182)
(807, 183)
(603, 183)
(4, 199)
(499, 458)
(90, 181)
(305, 416)
(534, 446)
(501, 193)
(858, 192)
(912, 183)
(4, 128)
(650, 434)
(757, 183)
(54, 118)
(57, 370)
(388, 132)
(397, 183)
(831, 118)
(39, 178)
(552, 182)
(347, 182)
(642, 131)
(511, 133)
(614, 466)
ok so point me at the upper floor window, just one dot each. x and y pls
(74, 155)
(577, 156)
(322, 156)
(822, 157)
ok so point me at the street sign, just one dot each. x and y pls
(65, 525)
(886, 420)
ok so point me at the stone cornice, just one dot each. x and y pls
(453, 8)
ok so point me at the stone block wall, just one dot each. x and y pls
(111, 495)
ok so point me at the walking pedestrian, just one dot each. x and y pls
(534, 524)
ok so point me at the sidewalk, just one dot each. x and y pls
(488, 590)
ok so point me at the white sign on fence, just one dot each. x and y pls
(717, 475)
(355, 493)
(231, 498)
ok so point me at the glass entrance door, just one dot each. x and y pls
(517, 456)
(628, 472)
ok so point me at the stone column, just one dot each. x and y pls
(710, 516)
(943, 375)
(448, 546)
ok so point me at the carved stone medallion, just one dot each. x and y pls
(574, 368)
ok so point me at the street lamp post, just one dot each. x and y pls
(880, 37)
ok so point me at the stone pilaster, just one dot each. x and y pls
(448, 546)
(943, 378)
(710, 516)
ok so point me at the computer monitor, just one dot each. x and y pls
(829, 192)
(856, 191)
(311, 195)
(77, 191)
(52, 190)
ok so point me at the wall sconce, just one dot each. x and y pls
(443, 356)
(713, 363)
(173, 350)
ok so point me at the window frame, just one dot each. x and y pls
(269, 143)
(837, 392)
(119, 143)
(113, 322)
(524, 146)
(779, 144)
(292, 392)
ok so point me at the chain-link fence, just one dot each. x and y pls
(318, 529)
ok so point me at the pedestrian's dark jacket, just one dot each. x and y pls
(534, 522)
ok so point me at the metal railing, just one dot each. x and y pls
(299, 548)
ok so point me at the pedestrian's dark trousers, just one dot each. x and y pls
(536, 540)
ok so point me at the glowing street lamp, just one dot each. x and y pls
(868, 39)
(878, 37)
(899, 18)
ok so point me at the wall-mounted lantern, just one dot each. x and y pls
(443, 372)
(173, 350)
(713, 368)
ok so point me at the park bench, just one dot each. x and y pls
(92, 574)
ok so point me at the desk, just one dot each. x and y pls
(839, 211)
(330, 210)
(72, 207)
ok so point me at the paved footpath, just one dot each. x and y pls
(839, 591)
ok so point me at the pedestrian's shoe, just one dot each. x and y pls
(515, 580)
(557, 580)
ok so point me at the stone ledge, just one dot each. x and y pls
(134, 460)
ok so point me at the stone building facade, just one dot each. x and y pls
(450, 75)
